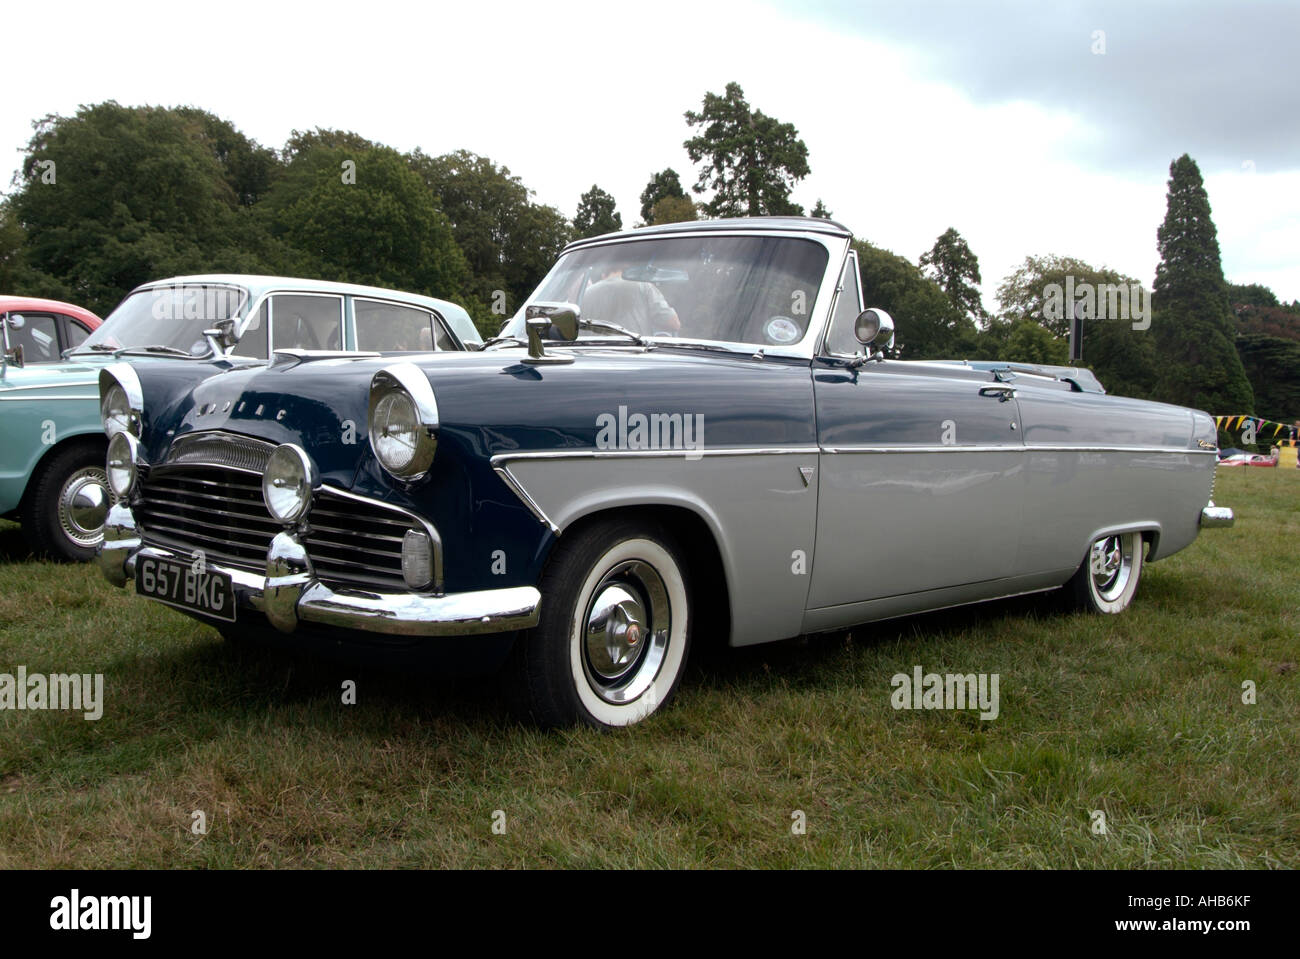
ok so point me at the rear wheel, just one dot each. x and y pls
(1108, 578)
(65, 508)
(611, 643)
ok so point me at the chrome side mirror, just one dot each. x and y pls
(541, 318)
(874, 327)
(222, 336)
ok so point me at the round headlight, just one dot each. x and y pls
(395, 431)
(115, 411)
(403, 420)
(287, 484)
(120, 465)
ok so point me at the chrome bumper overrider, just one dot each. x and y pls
(289, 592)
(1217, 517)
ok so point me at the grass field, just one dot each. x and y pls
(1139, 716)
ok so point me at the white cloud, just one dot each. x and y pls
(568, 95)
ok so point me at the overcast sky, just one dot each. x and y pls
(1031, 127)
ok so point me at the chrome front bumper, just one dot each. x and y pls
(289, 593)
(1217, 517)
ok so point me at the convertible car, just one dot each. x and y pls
(690, 430)
(52, 442)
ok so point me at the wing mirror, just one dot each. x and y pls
(11, 354)
(222, 336)
(874, 328)
(554, 320)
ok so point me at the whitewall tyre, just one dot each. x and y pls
(611, 644)
(1108, 578)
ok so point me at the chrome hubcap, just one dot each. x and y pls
(1111, 563)
(83, 506)
(626, 633)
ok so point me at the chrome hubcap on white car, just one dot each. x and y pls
(627, 626)
(1111, 563)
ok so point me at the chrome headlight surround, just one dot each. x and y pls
(121, 399)
(122, 465)
(288, 482)
(403, 421)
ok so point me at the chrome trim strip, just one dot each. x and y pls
(28, 399)
(516, 488)
(49, 386)
(501, 458)
(1009, 449)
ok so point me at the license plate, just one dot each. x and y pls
(180, 585)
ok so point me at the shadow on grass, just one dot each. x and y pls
(13, 547)
(247, 678)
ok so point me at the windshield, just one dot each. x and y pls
(736, 289)
(169, 316)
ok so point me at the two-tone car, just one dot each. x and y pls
(688, 431)
(52, 442)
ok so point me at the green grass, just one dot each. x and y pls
(1139, 716)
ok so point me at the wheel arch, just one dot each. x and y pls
(87, 439)
(699, 534)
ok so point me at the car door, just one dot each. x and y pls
(920, 477)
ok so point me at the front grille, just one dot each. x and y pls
(220, 510)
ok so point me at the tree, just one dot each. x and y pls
(749, 160)
(662, 186)
(1122, 357)
(673, 209)
(1272, 364)
(596, 214)
(820, 212)
(362, 215)
(952, 265)
(1193, 322)
(114, 196)
(929, 326)
(501, 232)
(248, 167)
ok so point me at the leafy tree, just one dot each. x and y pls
(1123, 358)
(381, 225)
(820, 211)
(305, 141)
(749, 160)
(952, 265)
(929, 326)
(596, 214)
(1029, 342)
(249, 168)
(502, 233)
(1272, 364)
(1193, 322)
(114, 196)
(663, 185)
(530, 251)
(1251, 294)
(673, 209)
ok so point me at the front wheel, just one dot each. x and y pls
(1108, 578)
(66, 504)
(611, 643)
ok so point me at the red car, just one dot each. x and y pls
(50, 327)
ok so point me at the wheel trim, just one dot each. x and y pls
(627, 625)
(1111, 566)
(83, 506)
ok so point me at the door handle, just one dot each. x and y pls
(1002, 391)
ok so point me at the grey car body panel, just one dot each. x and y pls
(755, 503)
